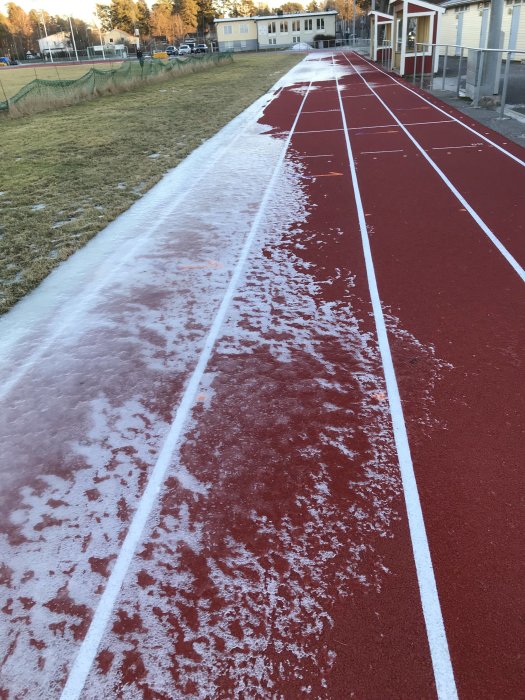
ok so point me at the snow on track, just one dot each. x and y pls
(276, 561)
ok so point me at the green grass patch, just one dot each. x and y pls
(66, 174)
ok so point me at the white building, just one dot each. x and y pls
(466, 22)
(274, 31)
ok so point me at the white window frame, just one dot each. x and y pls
(296, 25)
(272, 28)
(272, 40)
(243, 28)
(308, 25)
(296, 39)
(228, 29)
(320, 23)
(283, 26)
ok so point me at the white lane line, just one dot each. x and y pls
(382, 126)
(483, 226)
(449, 148)
(439, 121)
(321, 155)
(317, 131)
(347, 97)
(397, 150)
(396, 126)
(437, 639)
(320, 111)
(447, 114)
(88, 649)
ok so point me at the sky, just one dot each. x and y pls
(82, 9)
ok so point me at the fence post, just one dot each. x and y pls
(459, 72)
(422, 68)
(415, 63)
(444, 68)
(478, 79)
(505, 84)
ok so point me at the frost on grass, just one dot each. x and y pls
(232, 593)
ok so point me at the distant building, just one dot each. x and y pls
(273, 31)
(54, 43)
(117, 36)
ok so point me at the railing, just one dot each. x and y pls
(473, 72)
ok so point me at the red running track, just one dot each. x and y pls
(274, 557)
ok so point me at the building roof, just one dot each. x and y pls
(261, 18)
(427, 5)
(381, 16)
(453, 3)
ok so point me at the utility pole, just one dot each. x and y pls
(493, 58)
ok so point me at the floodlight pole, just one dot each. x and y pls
(73, 37)
(47, 40)
(99, 27)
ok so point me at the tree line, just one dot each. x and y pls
(173, 19)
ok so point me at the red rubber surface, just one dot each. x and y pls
(277, 562)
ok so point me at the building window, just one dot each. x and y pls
(272, 40)
(307, 25)
(244, 28)
(271, 28)
(296, 40)
(320, 23)
(229, 45)
(227, 28)
(296, 25)
(283, 27)
(243, 44)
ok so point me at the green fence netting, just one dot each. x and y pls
(40, 93)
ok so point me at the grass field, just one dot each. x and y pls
(66, 174)
(12, 79)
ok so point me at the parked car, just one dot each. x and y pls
(184, 49)
(171, 50)
(201, 48)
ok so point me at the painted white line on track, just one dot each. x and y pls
(447, 114)
(452, 148)
(320, 111)
(439, 121)
(483, 226)
(88, 649)
(321, 155)
(397, 150)
(317, 131)
(437, 638)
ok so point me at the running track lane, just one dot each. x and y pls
(264, 569)
(302, 582)
(449, 286)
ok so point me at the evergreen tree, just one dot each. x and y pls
(123, 15)
(290, 8)
(143, 17)
(104, 17)
(187, 9)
